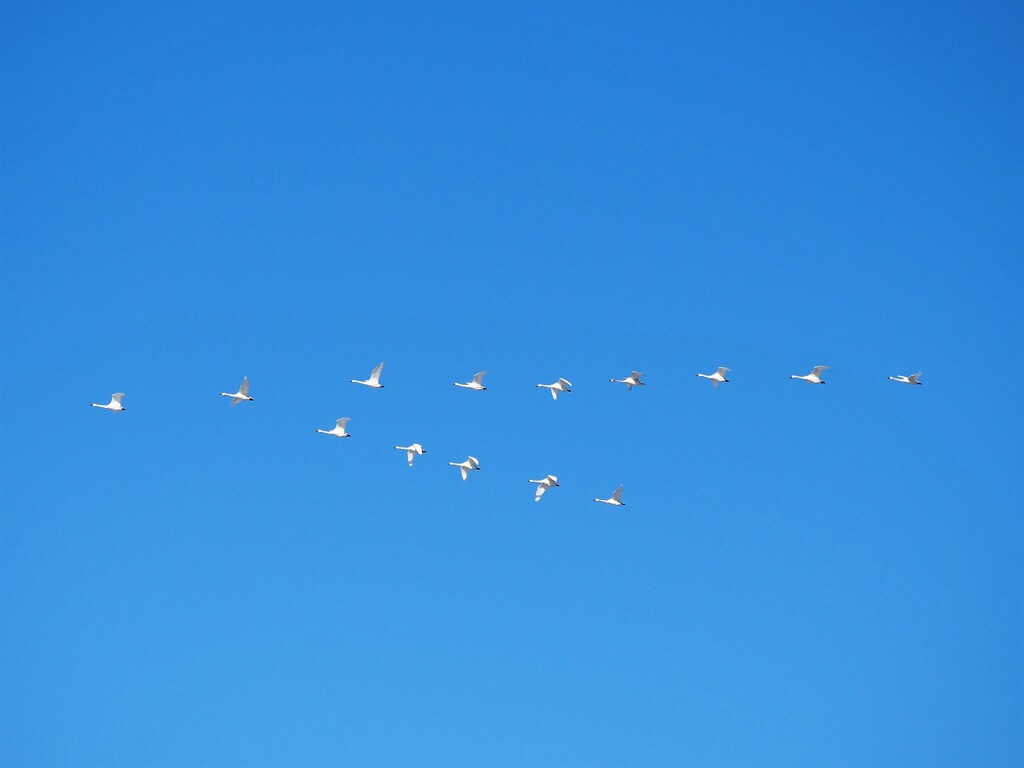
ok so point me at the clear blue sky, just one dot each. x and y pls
(803, 576)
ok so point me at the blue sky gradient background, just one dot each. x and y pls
(802, 576)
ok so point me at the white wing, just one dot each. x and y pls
(565, 382)
(913, 378)
(343, 422)
(629, 386)
(474, 463)
(618, 494)
(540, 492)
(722, 372)
(818, 369)
(465, 474)
(375, 374)
(116, 397)
(244, 389)
(409, 454)
(236, 401)
(552, 479)
(479, 378)
(714, 383)
(554, 394)
(636, 375)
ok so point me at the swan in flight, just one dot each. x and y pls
(374, 380)
(559, 386)
(466, 466)
(411, 451)
(907, 379)
(814, 377)
(477, 383)
(615, 500)
(718, 377)
(542, 485)
(114, 404)
(241, 394)
(339, 430)
(633, 380)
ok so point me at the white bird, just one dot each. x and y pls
(477, 383)
(339, 430)
(633, 380)
(466, 466)
(411, 450)
(241, 394)
(718, 377)
(542, 485)
(814, 377)
(615, 500)
(114, 404)
(907, 379)
(374, 380)
(559, 386)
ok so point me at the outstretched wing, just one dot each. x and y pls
(722, 372)
(343, 422)
(818, 369)
(375, 374)
(554, 394)
(913, 378)
(636, 375)
(465, 474)
(714, 383)
(629, 385)
(479, 378)
(409, 454)
(474, 462)
(540, 491)
(244, 389)
(565, 382)
(116, 397)
(236, 401)
(618, 494)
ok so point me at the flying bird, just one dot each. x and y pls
(718, 377)
(113, 405)
(477, 383)
(814, 377)
(466, 466)
(542, 485)
(615, 500)
(241, 394)
(339, 429)
(559, 386)
(411, 451)
(913, 379)
(374, 380)
(633, 380)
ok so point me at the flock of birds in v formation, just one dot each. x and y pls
(477, 384)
